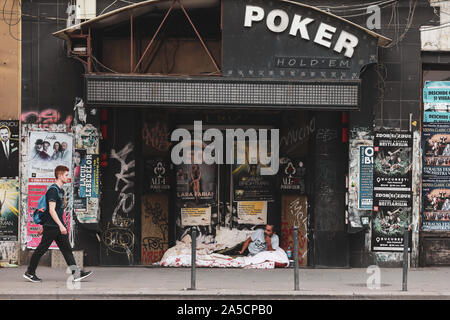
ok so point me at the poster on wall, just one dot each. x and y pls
(436, 157)
(365, 178)
(157, 175)
(436, 101)
(196, 192)
(89, 176)
(436, 150)
(436, 205)
(196, 183)
(35, 192)
(86, 186)
(293, 174)
(9, 148)
(9, 209)
(248, 183)
(47, 150)
(392, 178)
(198, 216)
(87, 138)
(393, 213)
(252, 212)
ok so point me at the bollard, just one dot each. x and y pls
(296, 258)
(193, 256)
(405, 259)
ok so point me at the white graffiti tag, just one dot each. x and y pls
(126, 175)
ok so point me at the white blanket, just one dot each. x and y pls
(180, 256)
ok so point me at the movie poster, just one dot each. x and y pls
(293, 174)
(392, 178)
(47, 150)
(9, 148)
(196, 183)
(9, 209)
(156, 175)
(35, 192)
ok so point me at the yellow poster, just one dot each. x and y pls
(196, 216)
(252, 212)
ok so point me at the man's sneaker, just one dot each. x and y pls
(82, 275)
(31, 277)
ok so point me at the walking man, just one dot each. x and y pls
(55, 230)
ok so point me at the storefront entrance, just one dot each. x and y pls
(231, 190)
(156, 201)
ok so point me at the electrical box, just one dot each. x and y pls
(86, 9)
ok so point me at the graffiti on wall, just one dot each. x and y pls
(45, 118)
(118, 235)
(155, 227)
(294, 213)
(155, 134)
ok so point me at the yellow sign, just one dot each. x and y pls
(252, 212)
(196, 216)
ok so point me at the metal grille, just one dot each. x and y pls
(221, 92)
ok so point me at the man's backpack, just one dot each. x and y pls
(40, 214)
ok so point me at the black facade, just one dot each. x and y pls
(388, 79)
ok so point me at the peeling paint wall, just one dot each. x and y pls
(437, 38)
(416, 196)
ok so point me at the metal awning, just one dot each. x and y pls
(142, 8)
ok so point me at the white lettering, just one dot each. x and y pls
(284, 21)
(346, 41)
(299, 25)
(325, 31)
(253, 13)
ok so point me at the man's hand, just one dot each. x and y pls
(269, 243)
(41, 231)
(62, 229)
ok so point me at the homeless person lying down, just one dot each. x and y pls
(260, 249)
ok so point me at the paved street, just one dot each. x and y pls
(172, 283)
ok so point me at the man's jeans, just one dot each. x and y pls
(49, 235)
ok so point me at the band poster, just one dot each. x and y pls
(436, 157)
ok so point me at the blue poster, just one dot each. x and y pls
(436, 100)
(365, 178)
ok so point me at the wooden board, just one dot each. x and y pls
(155, 222)
(10, 65)
(294, 212)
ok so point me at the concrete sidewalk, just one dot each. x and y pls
(172, 283)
